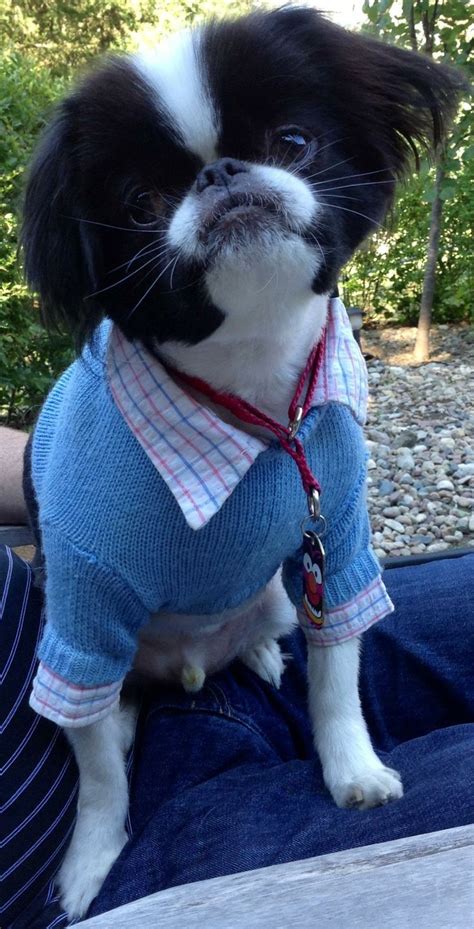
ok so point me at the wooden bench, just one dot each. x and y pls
(423, 882)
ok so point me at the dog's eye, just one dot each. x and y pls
(291, 141)
(143, 208)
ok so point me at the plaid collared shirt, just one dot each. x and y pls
(199, 456)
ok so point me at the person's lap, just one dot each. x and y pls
(226, 780)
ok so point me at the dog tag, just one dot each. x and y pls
(313, 577)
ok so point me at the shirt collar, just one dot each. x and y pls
(199, 456)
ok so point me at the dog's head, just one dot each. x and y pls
(251, 155)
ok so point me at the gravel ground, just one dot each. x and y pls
(420, 436)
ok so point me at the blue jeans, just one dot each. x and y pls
(227, 780)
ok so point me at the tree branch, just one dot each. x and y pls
(411, 27)
(421, 351)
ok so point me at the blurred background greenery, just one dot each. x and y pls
(44, 44)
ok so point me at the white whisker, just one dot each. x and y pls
(146, 250)
(327, 190)
(330, 168)
(122, 279)
(349, 177)
(152, 285)
(270, 279)
(93, 222)
(173, 269)
(314, 237)
(356, 212)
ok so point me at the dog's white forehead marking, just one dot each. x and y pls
(174, 69)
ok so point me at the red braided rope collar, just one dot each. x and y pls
(297, 410)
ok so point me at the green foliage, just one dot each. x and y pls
(29, 359)
(63, 34)
(386, 277)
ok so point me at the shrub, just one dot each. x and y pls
(29, 358)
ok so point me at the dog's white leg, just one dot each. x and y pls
(266, 659)
(99, 834)
(275, 617)
(352, 772)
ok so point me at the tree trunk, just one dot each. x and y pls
(421, 351)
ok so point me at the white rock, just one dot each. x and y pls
(395, 525)
(438, 546)
(445, 485)
(464, 501)
(465, 470)
(371, 464)
(397, 371)
(447, 442)
(405, 461)
(471, 524)
(428, 465)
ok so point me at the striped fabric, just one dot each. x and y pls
(38, 774)
(200, 457)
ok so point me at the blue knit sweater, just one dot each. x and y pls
(117, 545)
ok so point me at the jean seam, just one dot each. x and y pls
(219, 714)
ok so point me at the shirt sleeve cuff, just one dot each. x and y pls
(350, 618)
(70, 705)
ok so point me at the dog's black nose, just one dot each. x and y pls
(219, 173)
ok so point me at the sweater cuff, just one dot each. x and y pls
(350, 618)
(70, 705)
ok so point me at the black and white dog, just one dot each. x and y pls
(257, 155)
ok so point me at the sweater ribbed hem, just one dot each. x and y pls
(69, 705)
(93, 669)
(350, 619)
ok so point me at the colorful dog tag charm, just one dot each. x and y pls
(313, 577)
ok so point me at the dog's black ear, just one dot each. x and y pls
(407, 101)
(58, 249)
(394, 102)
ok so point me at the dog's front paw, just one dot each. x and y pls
(266, 660)
(83, 872)
(373, 786)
